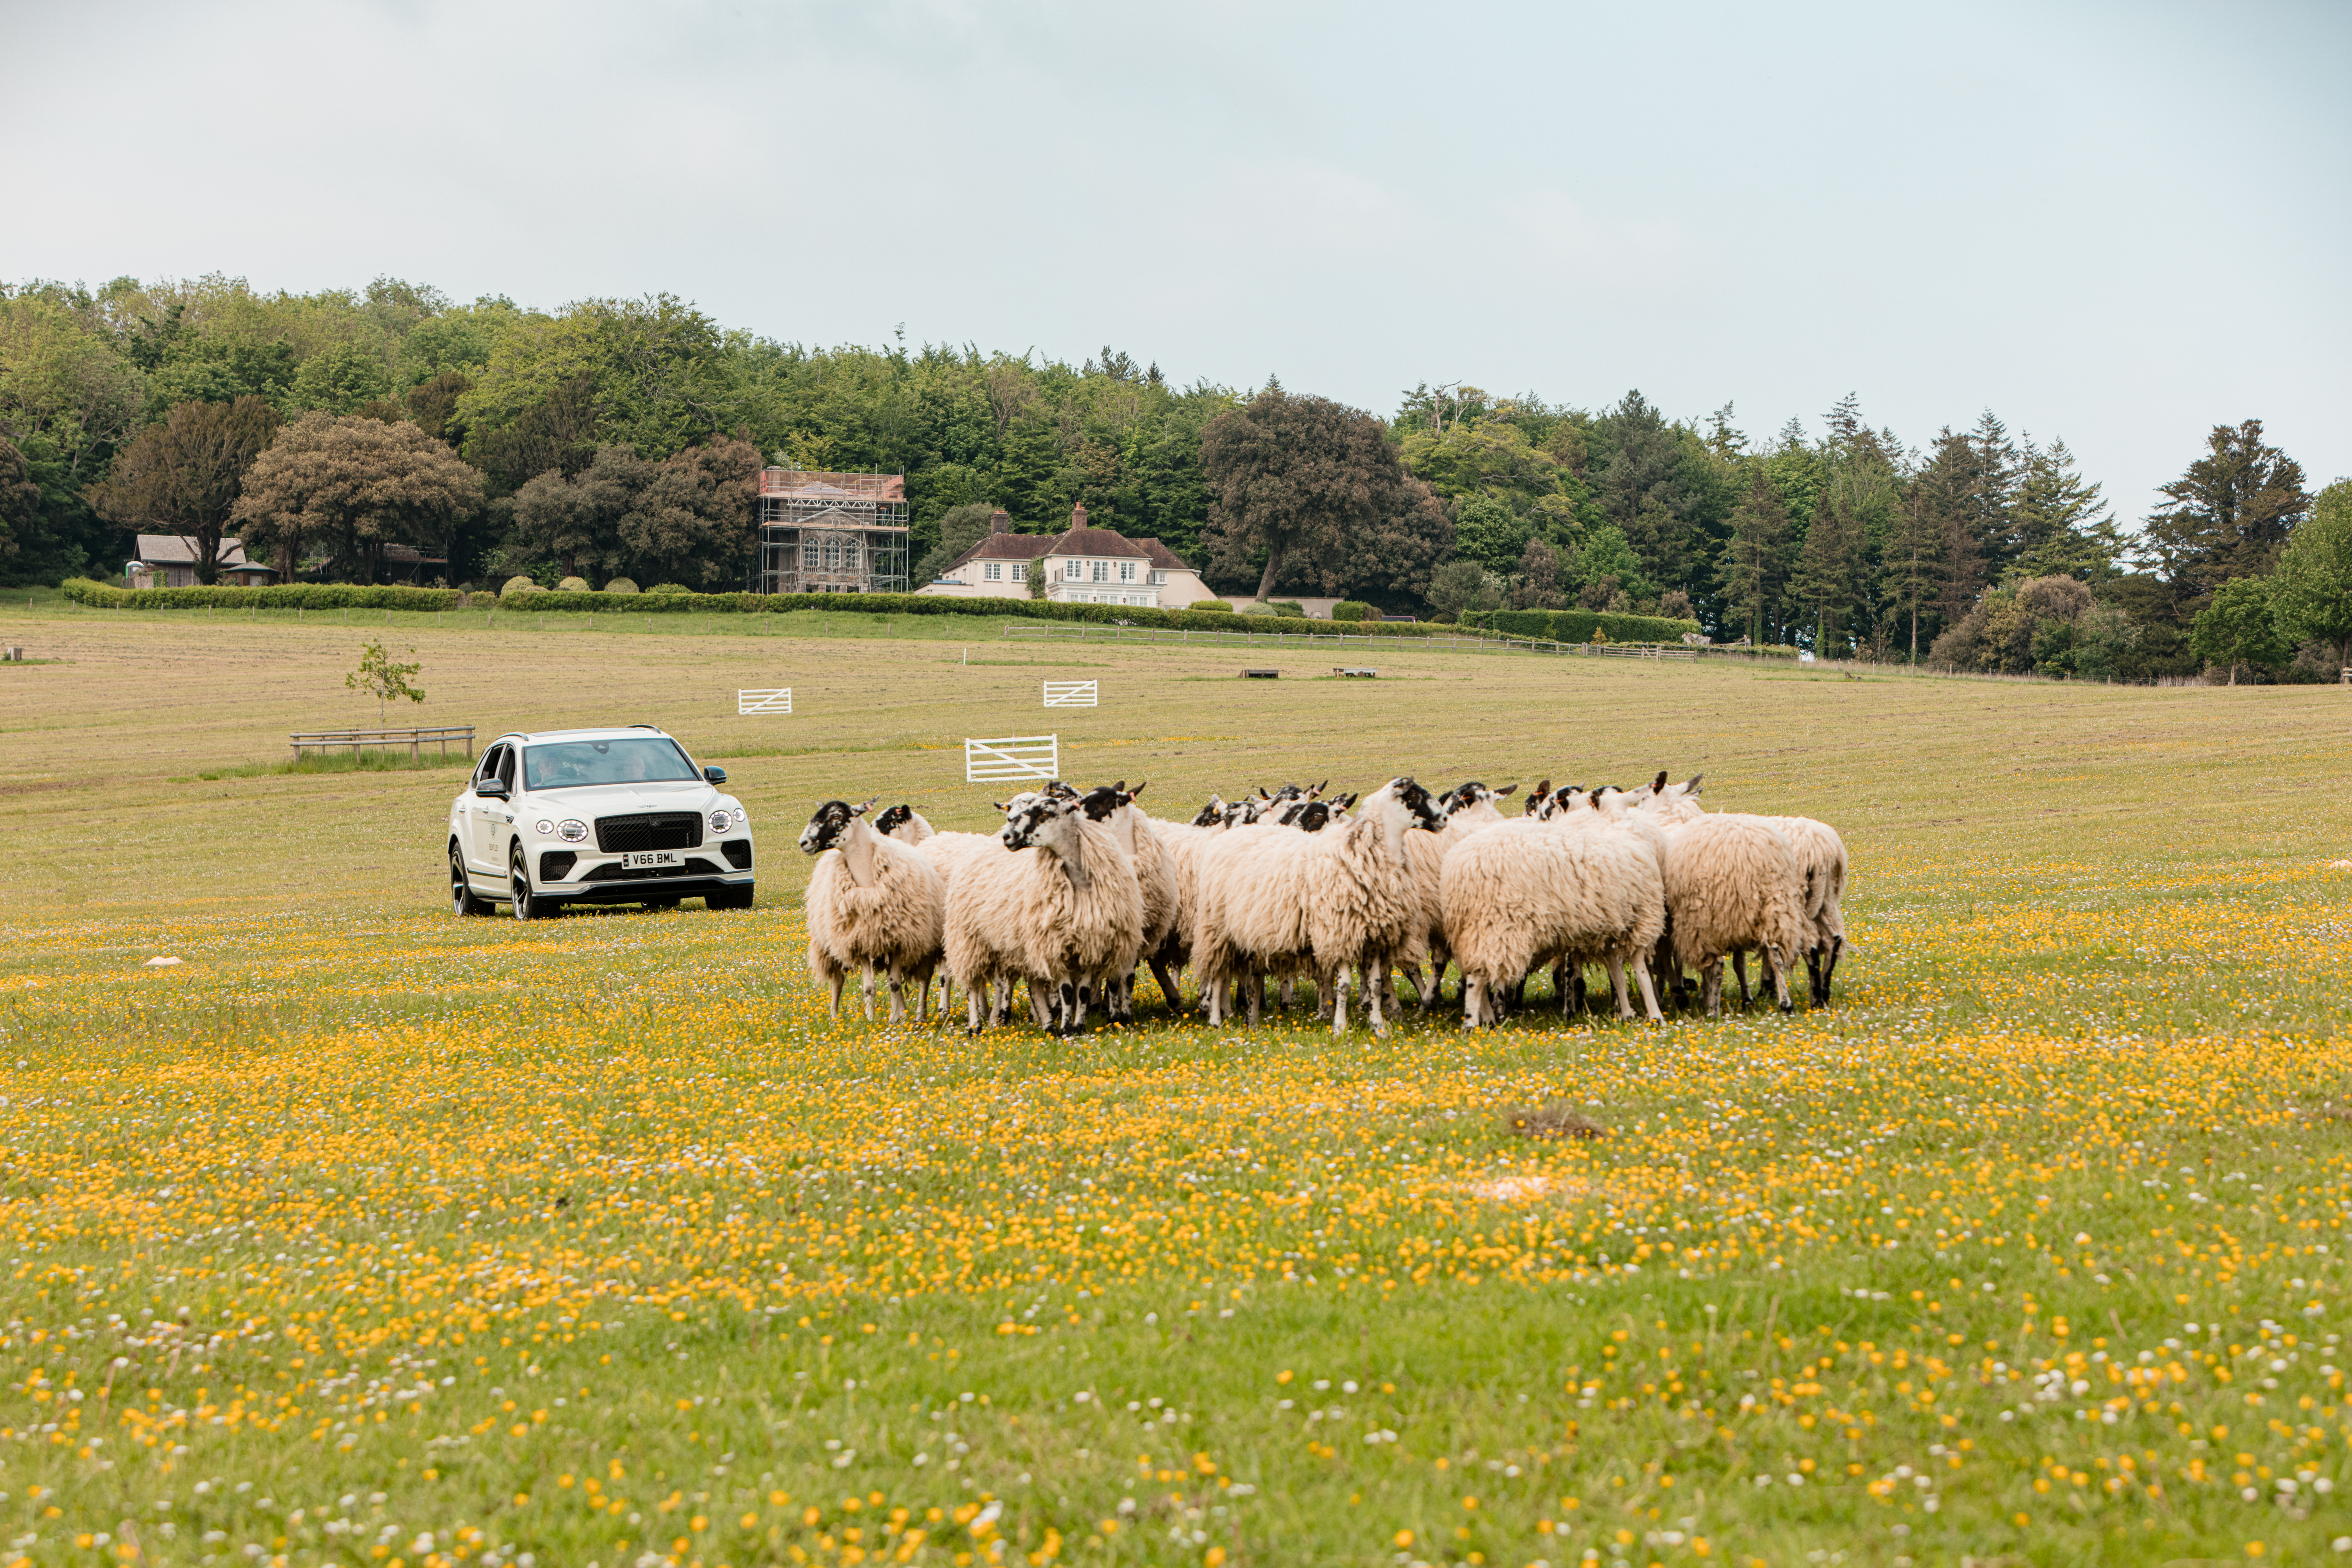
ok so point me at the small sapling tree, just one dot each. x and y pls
(382, 678)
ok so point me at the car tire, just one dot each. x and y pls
(528, 905)
(463, 899)
(731, 899)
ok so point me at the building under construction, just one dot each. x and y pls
(831, 533)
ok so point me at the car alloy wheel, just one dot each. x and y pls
(462, 897)
(527, 905)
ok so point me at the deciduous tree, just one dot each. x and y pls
(182, 477)
(353, 485)
(2313, 591)
(1290, 478)
(2240, 625)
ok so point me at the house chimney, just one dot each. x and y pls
(1078, 517)
(1000, 521)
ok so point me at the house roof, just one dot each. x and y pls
(1080, 540)
(1096, 542)
(176, 550)
(1005, 547)
(1161, 556)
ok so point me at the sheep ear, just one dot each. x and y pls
(1316, 792)
(997, 804)
(1659, 783)
(1137, 790)
(1544, 788)
(1262, 794)
(1692, 788)
(1594, 799)
(1505, 790)
(864, 806)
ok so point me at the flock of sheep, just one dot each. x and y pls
(1083, 887)
(1079, 889)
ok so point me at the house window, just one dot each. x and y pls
(1102, 571)
(993, 572)
(1127, 570)
(811, 555)
(1158, 579)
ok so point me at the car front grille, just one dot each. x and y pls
(649, 830)
(738, 852)
(554, 864)
(694, 867)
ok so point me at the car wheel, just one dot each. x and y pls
(462, 897)
(729, 899)
(528, 905)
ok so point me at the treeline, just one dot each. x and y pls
(618, 439)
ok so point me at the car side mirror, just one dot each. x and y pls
(490, 789)
(714, 775)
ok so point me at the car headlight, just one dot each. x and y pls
(720, 821)
(571, 831)
(545, 828)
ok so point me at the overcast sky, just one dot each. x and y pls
(2117, 224)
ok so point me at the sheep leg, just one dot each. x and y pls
(1471, 990)
(865, 988)
(1338, 1000)
(1372, 1000)
(1167, 989)
(1649, 997)
(1256, 986)
(971, 1009)
(1740, 968)
(1776, 964)
(1560, 988)
(838, 978)
(897, 983)
(1616, 967)
(1711, 991)
(1074, 1006)
(1388, 990)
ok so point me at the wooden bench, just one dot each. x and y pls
(1261, 675)
(1355, 672)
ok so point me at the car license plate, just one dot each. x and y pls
(640, 859)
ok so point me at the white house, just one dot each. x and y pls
(1087, 565)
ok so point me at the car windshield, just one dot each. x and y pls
(571, 764)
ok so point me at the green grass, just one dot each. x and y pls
(621, 1173)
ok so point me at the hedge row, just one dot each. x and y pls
(296, 595)
(1578, 626)
(336, 596)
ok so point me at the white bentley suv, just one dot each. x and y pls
(595, 817)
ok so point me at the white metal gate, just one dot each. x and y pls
(1013, 757)
(779, 701)
(1069, 693)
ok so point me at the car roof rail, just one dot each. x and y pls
(656, 728)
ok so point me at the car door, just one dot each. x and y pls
(498, 815)
(482, 817)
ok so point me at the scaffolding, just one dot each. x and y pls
(831, 533)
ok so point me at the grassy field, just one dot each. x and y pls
(366, 1237)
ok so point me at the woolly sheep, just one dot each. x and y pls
(1820, 860)
(872, 901)
(1531, 891)
(1364, 909)
(1060, 909)
(903, 823)
(1732, 883)
(1250, 919)
(1469, 810)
